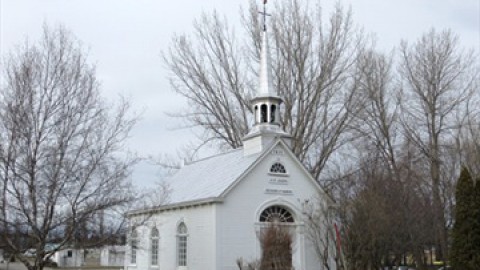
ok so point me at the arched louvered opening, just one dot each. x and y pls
(273, 109)
(263, 113)
(278, 167)
(276, 214)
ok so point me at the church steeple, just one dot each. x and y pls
(266, 104)
(266, 85)
(265, 71)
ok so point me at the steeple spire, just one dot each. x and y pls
(266, 103)
(266, 85)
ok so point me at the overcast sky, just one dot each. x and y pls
(125, 38)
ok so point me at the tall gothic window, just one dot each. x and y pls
(155, 237)
(278, 167)
(182, 234)
(133, 247)
(276, 214)
(256, 114)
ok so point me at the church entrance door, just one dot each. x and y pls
(276, 238)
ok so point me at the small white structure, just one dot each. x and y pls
(218, 205)
(112, 256)
(69, 257)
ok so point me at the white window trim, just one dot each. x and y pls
(280, 207)
(133, 237)
(278, 174)
(177, 253)
(155, 238)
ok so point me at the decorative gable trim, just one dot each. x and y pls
(306, 172)
(277, 141)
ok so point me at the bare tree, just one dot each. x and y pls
(322, 231)
(388, 217)
(313, 64)
(209, 72)
(378, 123)
(468, 138)
(401, 162)
(276, 242)
(61, 160)
(439, 79)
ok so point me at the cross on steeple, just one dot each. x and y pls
(265, 14)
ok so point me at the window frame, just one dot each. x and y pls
(133, 247)
(154, 247)
(182, 245)
(286, 216)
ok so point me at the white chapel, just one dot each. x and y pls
(218, 205)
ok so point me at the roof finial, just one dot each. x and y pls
(265, 14)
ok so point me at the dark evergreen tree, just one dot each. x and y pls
(462, 245)
(476, 226)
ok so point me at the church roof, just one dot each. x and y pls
(208, 178)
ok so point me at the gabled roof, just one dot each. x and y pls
(208, 178)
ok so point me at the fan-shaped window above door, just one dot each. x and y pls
(276, 214)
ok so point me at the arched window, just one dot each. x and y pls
(182, 234)
(272, 113)
(256, 114)
(278, 167)
(155, 239)
(133, 246)
(263, 111)
(276, 214)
